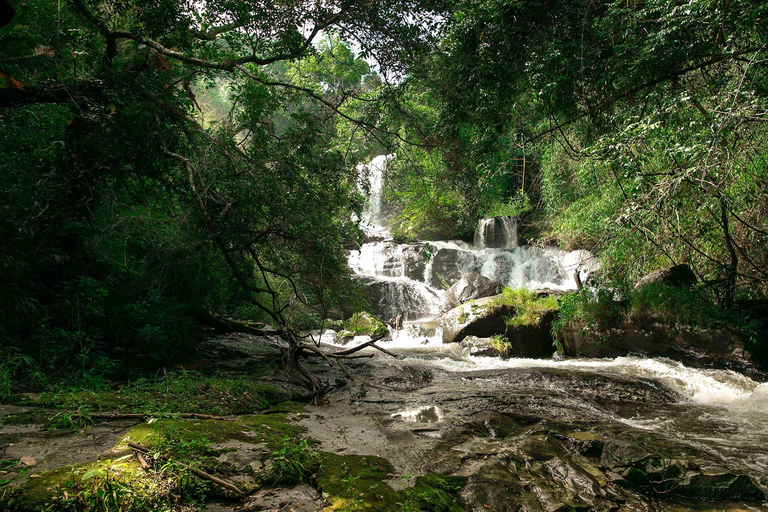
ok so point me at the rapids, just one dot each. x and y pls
(720, 412)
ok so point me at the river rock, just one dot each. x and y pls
(448, 265)
(481, 317)
(680, 276)
(534, 339)
(391, 297)
(471, 286)
(397, 260)
(673, 471)
(648, 336)
(478, 347)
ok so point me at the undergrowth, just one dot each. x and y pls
(529, 307)
(175, 392)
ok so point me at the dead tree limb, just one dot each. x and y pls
(197, 472)
(226, 325)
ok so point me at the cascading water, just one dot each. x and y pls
(412, 278)
(718, 411)
(371, 180)
(496, 232)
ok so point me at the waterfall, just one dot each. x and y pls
(496, 232)
(371, 177)
(413, 277)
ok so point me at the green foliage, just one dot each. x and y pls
(364, 323)
(293, 463)
(529, 307)
(143, 185)
(513, 207)
(597, 309)
(109, 486)
(501, 344)
(677, 306)
(174, 392)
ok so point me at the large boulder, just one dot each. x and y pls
(471, 286)
(391, 297)
(673, 471)
(479, 347)
(482, 317)
(448, 265)
(532, 338)
(649, 336)
(680, 276)
(391, 260)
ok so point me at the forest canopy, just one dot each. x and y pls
(171, 164)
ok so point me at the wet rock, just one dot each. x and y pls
(680, 276)
(399, 260)
(658, 469)
(391, 297)
(533, 339)
(479, 347)
(648, 336)
(471, 286)
(448, 265)
(425, 328)
(482, 317)
(301, 498)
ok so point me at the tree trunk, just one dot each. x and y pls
(733, 261)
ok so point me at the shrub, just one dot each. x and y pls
(365, 324)
(529, 308)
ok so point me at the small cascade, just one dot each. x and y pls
(413, 278)
(496, 232)
(371, 176)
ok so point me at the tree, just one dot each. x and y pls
(138, 213)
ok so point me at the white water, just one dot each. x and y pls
(719, 410)
(371, 180)
(413, 277)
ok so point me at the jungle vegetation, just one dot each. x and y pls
(168, 165)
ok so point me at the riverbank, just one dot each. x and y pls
(435, 430)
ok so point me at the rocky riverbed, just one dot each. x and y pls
(474, 433)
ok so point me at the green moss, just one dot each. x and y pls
(435, 493)
(176, 392)
(288, 407)
(106, 485)
(355, 482)
(190, 438)
(34, 416)
(364, 323)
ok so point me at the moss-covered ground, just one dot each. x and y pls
(259, 422)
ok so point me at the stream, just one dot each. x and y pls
(630, 433)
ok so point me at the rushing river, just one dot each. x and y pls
(721, 413)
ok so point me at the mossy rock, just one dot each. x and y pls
(357, 482)
(365, 324)
(104, 485)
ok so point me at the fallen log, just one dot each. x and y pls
(197, 472)
(227, 325)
